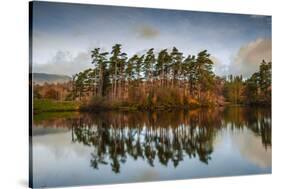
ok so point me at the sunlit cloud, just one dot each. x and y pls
(249, 57)
(147, 32)
(251, 148)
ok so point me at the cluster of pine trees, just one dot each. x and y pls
(165, 78)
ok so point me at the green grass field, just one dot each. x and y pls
(54, 106)
(42, 116)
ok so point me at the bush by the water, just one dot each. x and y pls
(156, 98)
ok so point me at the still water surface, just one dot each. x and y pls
(117, 147)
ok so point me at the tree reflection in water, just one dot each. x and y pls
(162, 136)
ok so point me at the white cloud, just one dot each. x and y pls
(64, 63)
(249, 57)
(219, 68)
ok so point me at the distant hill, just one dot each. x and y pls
(41, 78)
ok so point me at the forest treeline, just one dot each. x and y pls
(162, 79)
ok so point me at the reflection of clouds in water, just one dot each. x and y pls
(218, 140)
(39, 130)
(148, 175)
(60, 145)
(251, 147)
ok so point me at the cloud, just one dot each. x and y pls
(219, 68)
(249, 57)
(58, 144)
(64, 63)
(147, 31)
(251, 148)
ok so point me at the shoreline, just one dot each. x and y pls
(77, 108)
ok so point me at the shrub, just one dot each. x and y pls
(96, 103)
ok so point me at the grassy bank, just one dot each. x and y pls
(54, 115)
(54, 106)
(65, 108)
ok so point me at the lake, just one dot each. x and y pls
(71, 148)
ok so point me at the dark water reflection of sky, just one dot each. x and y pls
(114, 147)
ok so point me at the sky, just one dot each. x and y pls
(64, 34)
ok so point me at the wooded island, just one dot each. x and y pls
(164, 79)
